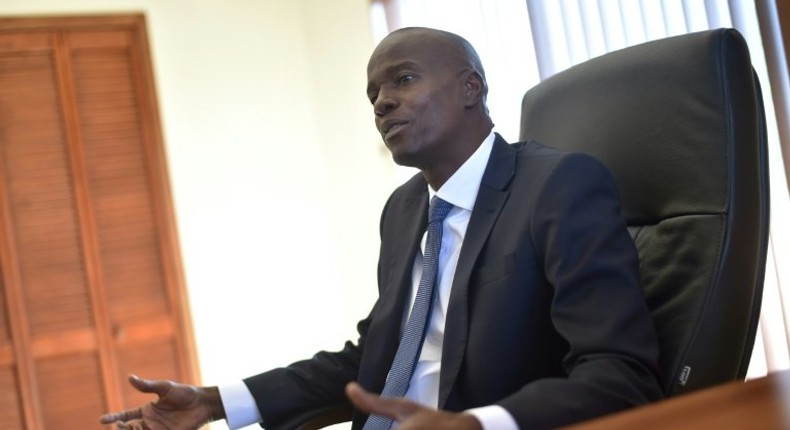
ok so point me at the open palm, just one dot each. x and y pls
(179, 407)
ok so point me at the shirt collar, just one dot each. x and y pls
(462, 187)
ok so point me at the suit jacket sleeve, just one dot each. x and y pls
(306, 385)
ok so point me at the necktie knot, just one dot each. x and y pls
(439, 210)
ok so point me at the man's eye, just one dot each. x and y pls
(405, 79)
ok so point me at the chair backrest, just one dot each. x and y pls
(680, 124)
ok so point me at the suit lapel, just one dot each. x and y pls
(412, 219)
(491, 198)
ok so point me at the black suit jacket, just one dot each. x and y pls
(546, 315)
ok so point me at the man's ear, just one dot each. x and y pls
(473, 88)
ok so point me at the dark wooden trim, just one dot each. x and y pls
(783, 12)
(776, 43)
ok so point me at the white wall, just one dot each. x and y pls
(277, 173)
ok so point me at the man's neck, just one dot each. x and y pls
(437, 175)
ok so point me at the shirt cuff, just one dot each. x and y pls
(240, 407)
(494, 417)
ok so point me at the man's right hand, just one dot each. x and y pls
(179, 407)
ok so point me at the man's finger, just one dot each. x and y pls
(129, 414)
(159, 388)
(397, 409)
(134, 425)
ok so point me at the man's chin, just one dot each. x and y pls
(404, 159)
(403, 153)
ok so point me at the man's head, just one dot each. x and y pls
(428, 92)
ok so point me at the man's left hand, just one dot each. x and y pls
(409, 415)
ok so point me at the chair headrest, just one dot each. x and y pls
(655, 113)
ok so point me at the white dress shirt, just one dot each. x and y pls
(461, 190)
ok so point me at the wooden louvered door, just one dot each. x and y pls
(91, 287)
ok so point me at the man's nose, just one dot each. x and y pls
(384, 104)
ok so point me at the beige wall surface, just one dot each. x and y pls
(277, 172)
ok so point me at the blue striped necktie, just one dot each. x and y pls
(414, 333)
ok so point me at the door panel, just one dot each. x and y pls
(91, 279)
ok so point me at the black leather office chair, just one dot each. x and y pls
(680, 123)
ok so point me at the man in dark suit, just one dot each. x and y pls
(538, 318)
